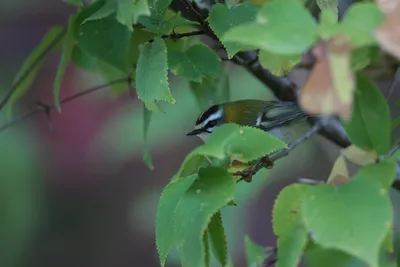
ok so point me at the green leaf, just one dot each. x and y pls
(395, 123)
(108, 7)
(278, 64)
(146, 122)
(355, 203)
(369, 126)
(218, 238)
(281, 26)
(32, 64)
(111, 73)
(255, 254)
(363, 56)
(360, 21)
(328, 25)
(158, 9)
(222, 19)
(213, 189)
(330, 257)
(286, 214)
(383, 172)
(388, 242)
(129, 11)
(232, 142)
(139, 36)
(165, 232)
(212, 91)
(66, 56)
(195, 63)
(105, 39)
(83, 60)
(170, 22)
(192, 164)
(290, 247)
(151, 72)
(73, 2)
(241, 143)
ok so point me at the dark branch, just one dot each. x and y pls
(174, 36)
(193, 8)
(31, 68)
(47, 108)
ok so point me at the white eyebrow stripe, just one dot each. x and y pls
(214, 116)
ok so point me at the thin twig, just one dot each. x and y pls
(195, 11)
(31, 68)
(174, 36)
(48, 108)
(392, 87)
(393, 150)
(389, 154)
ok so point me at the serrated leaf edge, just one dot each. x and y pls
(208, 220)
(169, 98)
(230, 56)
(219, 218)
(172, 183)
(273, 212)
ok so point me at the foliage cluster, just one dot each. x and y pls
(348, 219)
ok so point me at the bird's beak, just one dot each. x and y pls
(194, 132)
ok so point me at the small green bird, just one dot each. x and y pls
(276, 117)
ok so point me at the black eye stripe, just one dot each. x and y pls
(211, 124)
(207, 114)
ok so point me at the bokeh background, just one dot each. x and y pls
(80, 195)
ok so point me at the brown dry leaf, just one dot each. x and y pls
(359, 156)
(388, 34)
(386, 5)
(330, 86)
(339, 171)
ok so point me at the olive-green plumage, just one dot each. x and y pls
(276, 117)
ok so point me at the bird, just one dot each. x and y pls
(278, 118)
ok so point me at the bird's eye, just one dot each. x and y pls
(212, 123)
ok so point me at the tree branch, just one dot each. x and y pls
(31, 68)
(174, 36)
(47, 108)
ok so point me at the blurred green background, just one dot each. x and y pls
(81, 195)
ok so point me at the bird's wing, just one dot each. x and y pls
(279, 113)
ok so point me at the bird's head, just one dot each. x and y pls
(207, 121)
